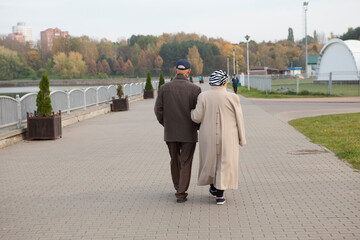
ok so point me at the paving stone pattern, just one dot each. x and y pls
(109, 178)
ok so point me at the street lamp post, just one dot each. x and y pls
(233, 60)
(247, 57)
(227, 63)
(306, 53)
(237, 67)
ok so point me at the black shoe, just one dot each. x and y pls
(220, 200)
(181, 200)
(212, 192)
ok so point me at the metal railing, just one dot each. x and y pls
(13, 110)
(260, 82)
(333, 83)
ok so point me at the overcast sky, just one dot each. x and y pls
(231, 20)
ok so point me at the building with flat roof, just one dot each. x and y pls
(312, 61)
(17, 37)
(48, 36)
(22, 28)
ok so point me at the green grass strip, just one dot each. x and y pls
(254, 93)
(339, 133)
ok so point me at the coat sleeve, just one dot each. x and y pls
(239, 121)
(159, 108)
(198, 112)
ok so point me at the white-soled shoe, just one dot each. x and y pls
(220, 200)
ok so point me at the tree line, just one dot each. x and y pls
(79, 57)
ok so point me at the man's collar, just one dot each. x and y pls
(181, 76)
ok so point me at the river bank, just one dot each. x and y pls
(71, 82)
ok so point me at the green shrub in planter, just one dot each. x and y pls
(43, 101)
(161, 80)
(148, 85)
(120, 104)
(44, 124)
(149, 90)
(119, 91)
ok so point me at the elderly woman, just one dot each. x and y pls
(221, 132)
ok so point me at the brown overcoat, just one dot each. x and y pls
(172, 109)
(221, 133)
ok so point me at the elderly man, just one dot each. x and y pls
(172, 109)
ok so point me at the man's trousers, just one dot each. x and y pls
(181, 154)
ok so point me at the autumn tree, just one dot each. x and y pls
(116, 67)
(88, 48)
(142, 63)
(195, 60)
(171, 52)
(144, 42)
(33, 59)
(99, 67)
(129, 68)
(61, 65)
(119, 66)
(264, 57)
(69, 66)
(91, 66)
(106, 67)
(18, 47)
(280, 60)
(11, 64)
(134, 54)
(158, 62)
(78, 65)
(106, 49)
(61, 44)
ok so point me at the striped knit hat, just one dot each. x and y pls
(218, 78)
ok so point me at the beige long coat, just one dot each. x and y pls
(221, 132)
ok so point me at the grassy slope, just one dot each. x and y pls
(339, 133)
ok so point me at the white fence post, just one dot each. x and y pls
(84, 98)
(18, 111)
(97, 96)
(68, 101)
(131, 89)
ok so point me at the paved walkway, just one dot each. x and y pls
(109, 178)
(287, 109)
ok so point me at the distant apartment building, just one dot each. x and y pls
(47, 36)
(17, 37)
(22, 28)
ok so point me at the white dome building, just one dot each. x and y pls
(341, 58)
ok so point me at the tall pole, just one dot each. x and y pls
(237, 67)
(233, 59)
(306, 52)
(227, 62)
(247, 58)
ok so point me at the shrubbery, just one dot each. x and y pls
(148, 85)
(43, 101)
